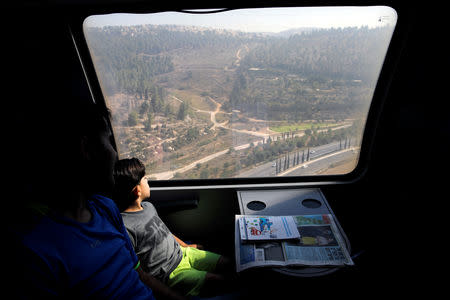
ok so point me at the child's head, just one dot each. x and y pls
(131, 185)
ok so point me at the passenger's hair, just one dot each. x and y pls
(93, 119)
(128, 173)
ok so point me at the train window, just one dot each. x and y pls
(244, 93)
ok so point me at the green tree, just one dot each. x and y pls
(145, 107)
(148, 123)
(132, 118)
(182, 111)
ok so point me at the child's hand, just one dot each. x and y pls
(197, 246)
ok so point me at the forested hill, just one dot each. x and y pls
(156, 39)
(278, 73)
(318, 74)
(348, 53)
(134, 54)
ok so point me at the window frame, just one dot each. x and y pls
(381, 91)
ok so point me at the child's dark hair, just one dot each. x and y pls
(128, 173)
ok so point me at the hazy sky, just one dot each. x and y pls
(260, 20)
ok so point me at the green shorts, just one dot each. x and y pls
(189, 276)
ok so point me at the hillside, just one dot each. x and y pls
(180, 92)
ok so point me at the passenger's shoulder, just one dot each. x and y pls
(105, 203)
(147, 205)
(149, 208)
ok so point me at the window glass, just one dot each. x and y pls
(241, 93)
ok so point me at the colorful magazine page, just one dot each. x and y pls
(268, 228)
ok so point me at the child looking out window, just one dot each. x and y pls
(185, 268)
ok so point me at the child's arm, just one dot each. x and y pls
(160, 290)
(183, 244)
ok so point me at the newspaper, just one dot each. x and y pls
(320, 244)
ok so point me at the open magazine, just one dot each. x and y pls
(320, 244)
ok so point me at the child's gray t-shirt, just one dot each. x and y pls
(154, 244)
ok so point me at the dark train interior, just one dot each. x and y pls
(390, 207)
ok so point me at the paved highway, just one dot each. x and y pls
(320, 158)
(322, 163)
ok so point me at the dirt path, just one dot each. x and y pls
(238, 55)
